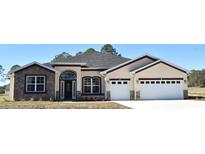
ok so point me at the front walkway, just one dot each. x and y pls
(163, 104)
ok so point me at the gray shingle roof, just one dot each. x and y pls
(93, 59)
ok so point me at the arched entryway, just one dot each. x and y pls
(68, 85)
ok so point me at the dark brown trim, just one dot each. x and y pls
(63, 65)
(161, 78)
(163, 63)
(93, 69)
(132, 62)
(32, 66)
(101, 94)
(45, 92)
(172, 78)
(113, 79)
(149, 78)
(91, 77)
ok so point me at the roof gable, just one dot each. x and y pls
(158, 62)
(130, 62)
(34, 63)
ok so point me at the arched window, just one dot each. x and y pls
(91, 85)
(68, 75)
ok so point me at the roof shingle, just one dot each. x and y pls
(93, 59)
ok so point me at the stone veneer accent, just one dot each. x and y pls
(185, 94)
(108, 95)
(137, 95)
(132, 93)
(81, 97)
(57, 95)
(20, 84)
(78, 95)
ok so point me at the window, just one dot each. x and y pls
(35, 83)
(68, 75)
(91, 85)
(147, 82)
(152, 82)
(173, 82)
(142, 82)
(113, 82)
(95, 85)
(168, 82)
(178, 82)
(157, 82)
(87, 85)
(162, 82)
(119, 83)
(125, 82)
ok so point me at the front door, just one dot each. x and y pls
(68, 90)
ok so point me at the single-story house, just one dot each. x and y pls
(99, 76)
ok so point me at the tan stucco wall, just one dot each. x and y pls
(80, 74)
(162, 71)
(11, 91)
(95, 73)
(124, 72)
(62, 69)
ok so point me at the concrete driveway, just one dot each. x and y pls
(166, 104)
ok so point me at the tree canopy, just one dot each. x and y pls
(90, 50)
(109, 48)
(14, 67)
(197, 78)
(62, 55)
(2, 75)
(79, 53)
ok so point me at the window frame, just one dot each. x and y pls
(92, 85)
(35, 84)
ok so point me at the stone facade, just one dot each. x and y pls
(20, 84)
(132, 93)
(81, 97)
(108, 95)
(186, 94)
(137, 95)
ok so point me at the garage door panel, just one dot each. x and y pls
(120, 90)
(161, 90)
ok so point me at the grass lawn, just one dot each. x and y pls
(6, 104)
(197, 91)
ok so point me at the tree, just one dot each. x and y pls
(62, 55)
(109, 49)
(13, 68)
(2, 75)
(79, 53)
(197, 78)
(4, 88)
(90, 50)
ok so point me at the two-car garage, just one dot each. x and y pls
(146, 78)
(166, 89)
(161, 89)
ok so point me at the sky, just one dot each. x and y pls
(184, 55)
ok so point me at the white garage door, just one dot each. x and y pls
(119, 90)
(161, 89)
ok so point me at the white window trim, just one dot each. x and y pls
(91, 85)
(35, 84)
